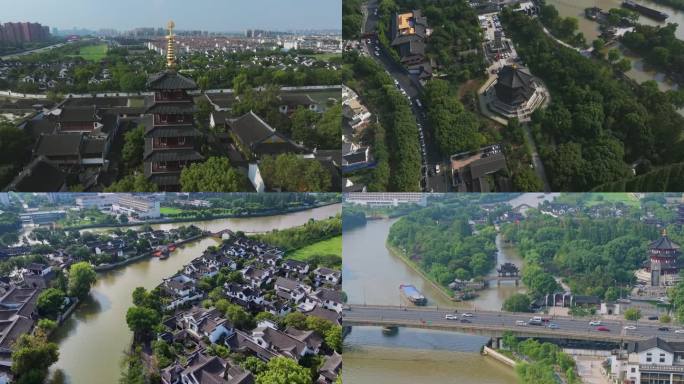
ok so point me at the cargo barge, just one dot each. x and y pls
(412, 294)
(646, 11)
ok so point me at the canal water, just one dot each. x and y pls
(372, 275)
(639, 72)
(590, 29)
(93, 340)
(419, 356)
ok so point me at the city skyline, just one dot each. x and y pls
(260, 14)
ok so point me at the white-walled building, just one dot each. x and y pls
(653, 361)
(141, 207)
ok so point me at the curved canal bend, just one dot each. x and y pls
(639, 72)
(92, 341)
(371, 275)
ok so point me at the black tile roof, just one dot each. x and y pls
(173, 155)
(40, 175)
(172, 108)
(169, 80)
(296, 99)
(356, 157)
(60, 144)
(664, 242)
(223, 100)
(251, 129)
(93, 146)
(98, 102)
(514, 85)
(71, 114)
(486, 165)
(163, 179)
(38, 127)
(175, 131)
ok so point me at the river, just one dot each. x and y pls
(92, 341)
(372, 275)
(590, 29)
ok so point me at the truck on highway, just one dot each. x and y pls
(536, 320)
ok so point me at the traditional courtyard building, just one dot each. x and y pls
(170, 142)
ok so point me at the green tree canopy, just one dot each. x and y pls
(81, 277)
(214, 175)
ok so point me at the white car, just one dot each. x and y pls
(629, 328)
(451, 316)
(521, 323)
(595, 322)
(679, 330)
(467, 314)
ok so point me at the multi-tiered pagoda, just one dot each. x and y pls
(663, 261)
(170, 143)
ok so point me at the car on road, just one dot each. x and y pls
(595, 322)
(603, 329)
(465, 321)
(451, 316)
(467, 314)
(629, 328)
(553, 326)
(664, 329)
(679, 331)
(521, 323)
(653, 317)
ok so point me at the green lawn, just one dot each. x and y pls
(169, 210)
(94, 52)
(625, 198)
(325, 56)
(331, 246)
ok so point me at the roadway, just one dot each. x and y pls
(496, 323)
(37, 50)
(410, 84)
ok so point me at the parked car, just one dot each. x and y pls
(653, 317)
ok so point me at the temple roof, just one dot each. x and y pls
(170, 80)
(663, 242)
(514, 85)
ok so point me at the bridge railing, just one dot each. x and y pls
(494, 328)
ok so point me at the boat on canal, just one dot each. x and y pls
(646, 11)
(412, 294)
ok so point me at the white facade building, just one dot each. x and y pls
(653, 361)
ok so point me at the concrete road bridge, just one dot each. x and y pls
(495, 324)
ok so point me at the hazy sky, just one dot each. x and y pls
(211, 15)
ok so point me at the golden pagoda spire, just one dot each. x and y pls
(664, 232)
(170, 47)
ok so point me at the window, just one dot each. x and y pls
(181, 140)
(633, 370)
